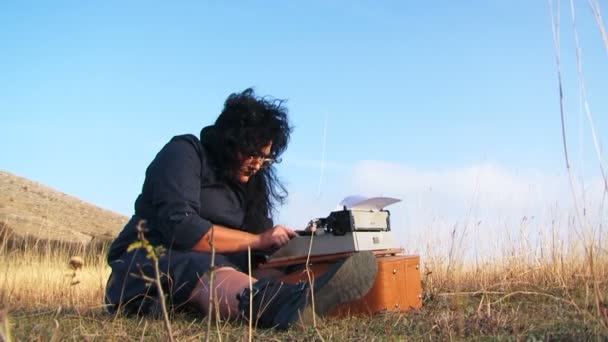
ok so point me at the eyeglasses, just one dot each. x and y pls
(263, 159)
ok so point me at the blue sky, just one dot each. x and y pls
(452, 106)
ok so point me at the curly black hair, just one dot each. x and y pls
(246, 125)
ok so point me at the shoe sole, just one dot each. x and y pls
(352, 280)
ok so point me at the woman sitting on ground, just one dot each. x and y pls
(221, 191)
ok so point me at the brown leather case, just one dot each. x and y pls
(397, 287)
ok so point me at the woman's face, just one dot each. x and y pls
(250, 165)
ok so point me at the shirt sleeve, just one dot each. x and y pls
(175, 176)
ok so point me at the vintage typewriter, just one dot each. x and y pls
(361, 227)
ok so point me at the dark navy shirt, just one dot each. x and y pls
(182, 196)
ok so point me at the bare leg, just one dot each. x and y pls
(227, 283)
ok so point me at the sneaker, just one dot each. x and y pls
(278, 304)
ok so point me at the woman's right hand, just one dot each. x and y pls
(275, 237)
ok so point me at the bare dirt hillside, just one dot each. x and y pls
(31, 210)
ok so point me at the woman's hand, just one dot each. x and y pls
(275, 237)
(228, 240)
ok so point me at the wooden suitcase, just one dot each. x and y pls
(397, 287)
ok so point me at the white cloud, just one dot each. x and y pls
(489, 185)
(487, 204)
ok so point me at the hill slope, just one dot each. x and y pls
(30, 209)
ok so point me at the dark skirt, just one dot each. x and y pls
(127, 291)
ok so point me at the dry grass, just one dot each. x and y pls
(514, 300)
(33, 282)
